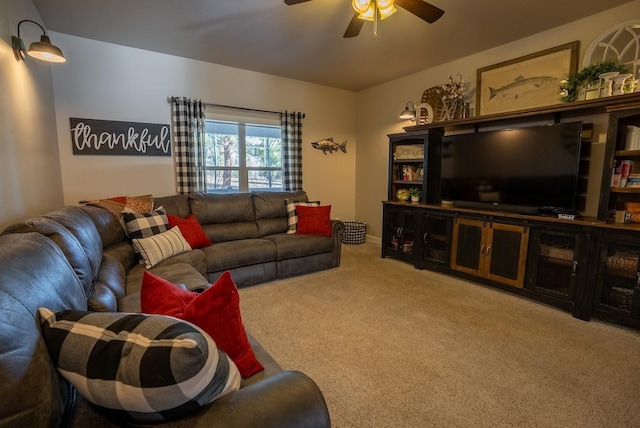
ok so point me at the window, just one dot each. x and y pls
(242, 157)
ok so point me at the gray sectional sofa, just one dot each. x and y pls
(79, 257)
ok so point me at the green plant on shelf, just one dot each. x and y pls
(590, 75)
(415, 191)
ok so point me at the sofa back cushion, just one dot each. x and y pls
(176, 205)
(271, 210)
(76, 235)
(225, 217)
(109, 227)
(75, 220)
(33, 273)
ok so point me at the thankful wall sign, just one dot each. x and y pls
(113, 138)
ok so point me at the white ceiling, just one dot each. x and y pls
(305, 41)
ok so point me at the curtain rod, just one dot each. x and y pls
(242, 108)
(239, 108)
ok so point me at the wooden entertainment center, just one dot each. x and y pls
(589, 266)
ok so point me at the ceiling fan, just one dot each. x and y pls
(369, 10)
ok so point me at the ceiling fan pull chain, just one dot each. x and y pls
(375, 19)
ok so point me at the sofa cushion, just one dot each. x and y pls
(177, 205)
(191, 230)
(161, 246)
(110, 228)
(294, 246)
(109, 286)
(222, 208)
(33, 272)
(143, 225)
(138, 368)
(271, 210)
(176, 271)
(244, 252)
(66, 241)
(292, 214)
(225, 217)
(314, 220)
(82, 227)
(216, 310)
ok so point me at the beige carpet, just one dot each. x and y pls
(392, 346)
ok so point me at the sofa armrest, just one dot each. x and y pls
(337, 228)
(286, 399)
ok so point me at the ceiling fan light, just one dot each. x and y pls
(361, 6)
(387, 11)
(369, 14)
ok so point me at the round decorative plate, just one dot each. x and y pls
(402, 194)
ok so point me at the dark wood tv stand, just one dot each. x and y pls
(588, 266)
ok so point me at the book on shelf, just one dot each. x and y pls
(622, 170)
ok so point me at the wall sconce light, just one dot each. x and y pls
(409, 111)
(42, 50)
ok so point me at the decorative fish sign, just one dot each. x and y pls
(327, 145)
(521, 86)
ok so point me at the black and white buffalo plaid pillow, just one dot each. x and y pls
(138, 368)
(292, 214)
(143, 225)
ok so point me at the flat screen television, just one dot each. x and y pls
(530, 170)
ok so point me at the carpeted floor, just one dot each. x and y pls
(392, 346)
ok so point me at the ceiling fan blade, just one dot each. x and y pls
(292, 2)
(354, 26)
(421, 9)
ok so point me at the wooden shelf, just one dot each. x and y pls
(625, 189)
(629, 153)
(413, 183)
(557, 261)
(599, 105)
(408, 160)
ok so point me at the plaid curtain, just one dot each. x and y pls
(291, 126)
(188, 141)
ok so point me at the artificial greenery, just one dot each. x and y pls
(588, 76)
(415, 191)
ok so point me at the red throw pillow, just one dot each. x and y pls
(191, 230)
(314, 220)
(216, 310)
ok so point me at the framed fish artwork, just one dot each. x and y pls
(526, 82)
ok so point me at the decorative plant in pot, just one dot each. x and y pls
(590, 75)
(415, 194)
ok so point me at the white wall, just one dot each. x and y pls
(30, 181)
(379, 107)
(111, 82)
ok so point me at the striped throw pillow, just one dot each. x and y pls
(157, 248)
(292, 214)
(138, 368)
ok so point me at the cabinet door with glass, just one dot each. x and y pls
(489, 249)
(506, 253)
(557, 265)
(401, 232)
(617, 292)
(436, 240)
(467, 253)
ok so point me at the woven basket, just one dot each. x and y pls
(556, 252)
(625, 263)
(621, 298)
(433, 97)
